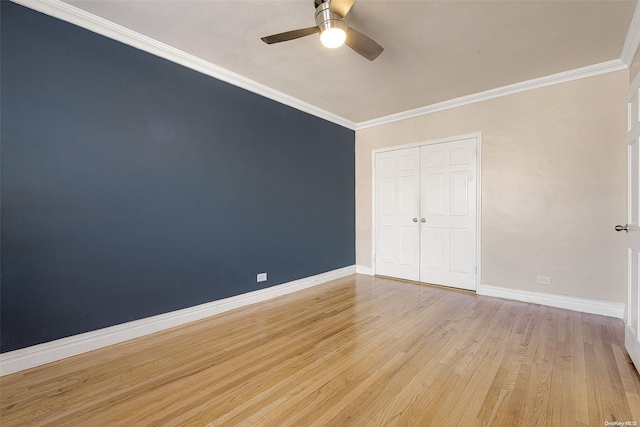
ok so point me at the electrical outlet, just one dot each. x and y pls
(543, 280)
(262, 277)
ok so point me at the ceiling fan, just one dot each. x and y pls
(332, 22)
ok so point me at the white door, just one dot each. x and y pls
(397, 207)
(632, 315)
(448, 214)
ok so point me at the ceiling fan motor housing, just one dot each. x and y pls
(326, 19)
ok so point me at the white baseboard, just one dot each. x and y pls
(40, 354)
(368, 271)
(605, 308)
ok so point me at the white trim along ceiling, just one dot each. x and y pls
(81, 18)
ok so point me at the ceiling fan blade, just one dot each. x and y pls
(363, 44)
(290, 35)
(341, 7)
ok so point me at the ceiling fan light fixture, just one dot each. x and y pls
(333, 27)
(332, 22)
(333, 37)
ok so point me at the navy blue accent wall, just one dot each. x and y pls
(133, 186)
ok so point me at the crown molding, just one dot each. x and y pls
(632, 41)
(79, 17)
(96, 24)
(566, 76)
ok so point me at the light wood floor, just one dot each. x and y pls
(358, 351)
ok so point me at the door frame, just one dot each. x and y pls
(478, 137)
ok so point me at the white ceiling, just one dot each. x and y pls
(435, 50)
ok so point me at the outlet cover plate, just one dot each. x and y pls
(545, 280)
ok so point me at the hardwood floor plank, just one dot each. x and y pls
(595, 401)
(628, 375)
(581, 402)
(533, 362)
(567, 415)
(520, 378)
(362, 351)
(554, 411)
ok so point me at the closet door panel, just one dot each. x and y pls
(397, 203)
(448, 204)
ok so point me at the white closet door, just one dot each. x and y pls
(448, 214)
(397, 207)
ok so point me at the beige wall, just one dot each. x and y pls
(553, 184)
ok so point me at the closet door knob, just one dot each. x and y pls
(423, 220)
(415, 219)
